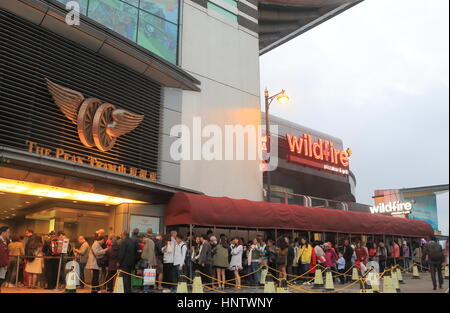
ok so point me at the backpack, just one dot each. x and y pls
(435, 252)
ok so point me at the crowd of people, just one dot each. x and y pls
(223, 262)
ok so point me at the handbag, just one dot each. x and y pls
(149, 276)
(101, 262)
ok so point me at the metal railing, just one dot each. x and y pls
(17, 260)
(309, 201)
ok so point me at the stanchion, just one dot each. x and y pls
(59, 273)
(387, 284)
(17, 270)
(329, 284)
(269, 286)
(71, 282)
(283, 287)
(400, 276)
(374, 282)
(355, 275)
(446, 271)
(118, 284)
(197, 286)
(182, 285)
(395, 283)
(318, 279)
(264, 272)
(416, 272)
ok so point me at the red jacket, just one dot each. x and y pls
(311, 268)
(4, 260)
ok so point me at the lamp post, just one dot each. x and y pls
(281, 98)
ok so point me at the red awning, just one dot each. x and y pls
(201, 210)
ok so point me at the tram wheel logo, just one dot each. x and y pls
(98, 124)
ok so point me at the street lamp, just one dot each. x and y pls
(281, 98)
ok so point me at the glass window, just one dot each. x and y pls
(158, 36)
(222, 11)
(116, 15)
(166, 9)
(152, 24)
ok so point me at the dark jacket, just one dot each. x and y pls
(205, 254)
(4, 260)
(127, 254)
(348, 253)
(112, 258)
(290, 256)
(432, 252)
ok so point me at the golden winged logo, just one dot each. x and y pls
(98, 124)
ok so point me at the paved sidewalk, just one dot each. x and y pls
(422, 285)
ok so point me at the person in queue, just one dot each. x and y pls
(331, 256)
(341, 267)
(271, 257)
(406, 252)
(290, 258)
(395, 252)
(127, 259)
(82, 255)
(282, 253)
(361, 255)
(254, 262)
(304, 257)
(96, 261)
(4, 259)
(236, 260)
(102, 274)
(148, 256)
(112, 263)
(15, 251)
(433, 254)
(348, 254)
(205, 258)
(220, 261)
(158, 240)
(35, 264)
(382, 256)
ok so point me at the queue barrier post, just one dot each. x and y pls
(400, 276)
(118, 284)
(355, 275)
(446, 271)
(59, 273)
(71, 282)
(387, 284)
(395, 281)
(17, 270)
(318, 278)
(415, 272)
(329, 284)
(269, 285)
(264, 272)
(197, 286)
(182, 285)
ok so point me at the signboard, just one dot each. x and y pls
(392, 208)
(319, 154)
(144, 222)
(425, 209)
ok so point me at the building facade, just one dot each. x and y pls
(88, 109)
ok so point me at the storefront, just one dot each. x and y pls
(313, 167)
(80, 136)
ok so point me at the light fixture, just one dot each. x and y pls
(41, 190)
(282, 97)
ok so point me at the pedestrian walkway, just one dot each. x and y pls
(422, 285)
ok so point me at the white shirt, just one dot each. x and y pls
(179, 254)
(169, 251)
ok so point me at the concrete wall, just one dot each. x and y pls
(224, 57)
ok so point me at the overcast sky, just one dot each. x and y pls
(377, 77)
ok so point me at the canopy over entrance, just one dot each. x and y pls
(201, 210)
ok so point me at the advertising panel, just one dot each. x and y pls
(425, 209)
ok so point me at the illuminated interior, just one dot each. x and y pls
(41, 190)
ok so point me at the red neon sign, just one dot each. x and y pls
(304, 150)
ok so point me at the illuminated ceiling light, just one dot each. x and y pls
(27, 202)
(47, 191)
